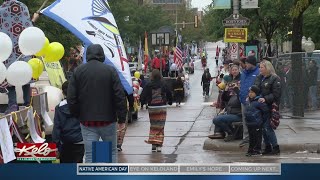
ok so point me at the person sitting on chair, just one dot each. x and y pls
(232, 113)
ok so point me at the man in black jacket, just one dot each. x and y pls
(96, 97)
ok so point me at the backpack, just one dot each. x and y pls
(158, 96)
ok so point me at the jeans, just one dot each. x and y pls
(244, 122)
(269, 135)
(224, 121)
(313, 96)
(106, 133)
(12, 95)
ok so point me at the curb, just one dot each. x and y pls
(220, 145)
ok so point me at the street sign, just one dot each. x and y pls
(234, 51)
(235, 34)
(236, 20)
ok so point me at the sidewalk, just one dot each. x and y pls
(294, 135)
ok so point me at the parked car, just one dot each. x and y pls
(133, 66)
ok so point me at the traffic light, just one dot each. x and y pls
(196, 21)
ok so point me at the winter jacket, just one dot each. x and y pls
(247, 79)
(156, 93)
(233, 106)
(66, 128)
(95, 92)
(270, 88)
(156, 63)
(312, 75)
(178, 88)
(206, 78)
(256, 113)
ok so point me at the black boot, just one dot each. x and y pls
(275, 150)
(267, 150)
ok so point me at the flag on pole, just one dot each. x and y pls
(146, 52)
(140, 56)
(93, 22)
(178, 57)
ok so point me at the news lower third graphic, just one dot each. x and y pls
(179, 169)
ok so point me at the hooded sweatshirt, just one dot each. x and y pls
(66, 127)
(95, 92)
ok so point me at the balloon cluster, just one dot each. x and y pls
(32, 41)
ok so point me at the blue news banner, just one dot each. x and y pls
(232, 171)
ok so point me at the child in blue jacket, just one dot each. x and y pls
(256, 115)
(67, 132)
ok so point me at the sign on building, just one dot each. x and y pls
(235, 34)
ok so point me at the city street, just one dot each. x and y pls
(186, 130)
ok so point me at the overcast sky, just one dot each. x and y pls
(200, 3)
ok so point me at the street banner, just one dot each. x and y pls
(146, 52)
(249, 4)
(235, 34)
(55, 73)
(140, 58)
(252, 49)
(14, 18)
(93, 22)
(222, 4)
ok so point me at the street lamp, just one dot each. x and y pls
(303, 41)
(309, 45)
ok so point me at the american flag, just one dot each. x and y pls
(178, 57)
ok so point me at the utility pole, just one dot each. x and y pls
(236, 8)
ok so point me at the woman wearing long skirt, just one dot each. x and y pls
(156, 94)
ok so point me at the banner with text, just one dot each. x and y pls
(235, 34)
(93, 22)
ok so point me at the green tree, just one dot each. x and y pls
(53, 31)
(141, 18)
(311, 23)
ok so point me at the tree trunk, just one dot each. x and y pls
(269, 46)
(297, 75)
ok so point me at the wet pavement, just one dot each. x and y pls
(186, 131)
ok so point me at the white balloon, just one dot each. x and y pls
(31, 40)
(3, 72)
(5, 46)
(19, 73)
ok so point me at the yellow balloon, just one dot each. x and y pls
(137, 74)
(37, 67)
(54, 52)
(44, 49)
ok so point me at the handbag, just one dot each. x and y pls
(275, 116)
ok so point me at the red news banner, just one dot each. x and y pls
(36, 151)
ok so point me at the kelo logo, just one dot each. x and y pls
(36, 151)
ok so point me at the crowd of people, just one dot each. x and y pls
(249, 94)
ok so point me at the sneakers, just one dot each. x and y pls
(216, 136)
(271, 151)
(253, 153)
(267, 150)
(229, 138)
(244, 142)
(119, 148)
(156, 148)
